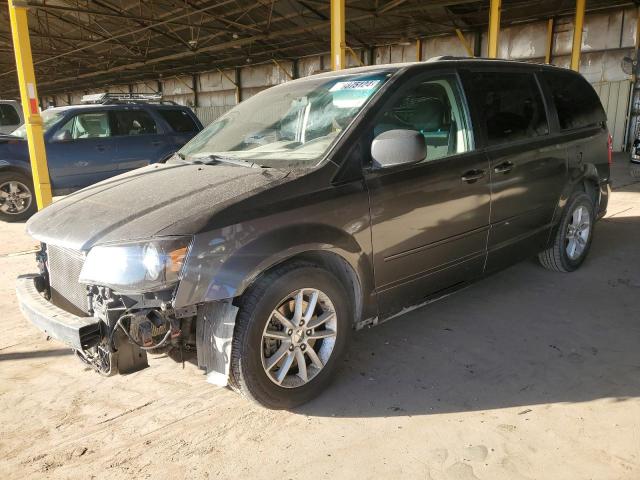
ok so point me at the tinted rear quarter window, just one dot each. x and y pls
(575, 99)
(133, 122)
(8, 115)
(179, 120)
(510, 106)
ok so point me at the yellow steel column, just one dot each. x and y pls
(29, 98)
(494, 27)
(548, 50)
(418, 50)
(577, 35)
(464, 42)
(338, 43)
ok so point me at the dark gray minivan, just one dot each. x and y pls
(318, 207)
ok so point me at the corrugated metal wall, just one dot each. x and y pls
(608, 37)
(615, 100)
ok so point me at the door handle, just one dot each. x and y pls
(157, 143)
(505, 167)
(472, 176)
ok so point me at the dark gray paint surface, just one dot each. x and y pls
(158, 199)
(430, 230)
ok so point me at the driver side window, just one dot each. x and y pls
(432, 107)
(86, 125)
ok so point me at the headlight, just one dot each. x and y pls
(136, 267)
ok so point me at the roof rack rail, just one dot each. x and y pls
(449, 57)
(110, 98)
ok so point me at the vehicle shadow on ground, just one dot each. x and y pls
(522, 337)
(35, 354)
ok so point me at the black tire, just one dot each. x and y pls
(556, 257)
(23, 180)
(634, 170)
(247, 374)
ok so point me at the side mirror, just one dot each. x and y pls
(62, 136)
(398, 147)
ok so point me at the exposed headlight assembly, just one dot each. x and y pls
(136, 267)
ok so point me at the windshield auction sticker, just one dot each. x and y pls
(355, 85)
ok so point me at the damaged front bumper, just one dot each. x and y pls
(78, 332)
(102, 341)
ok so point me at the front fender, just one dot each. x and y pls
(220, 268)
(16, 165)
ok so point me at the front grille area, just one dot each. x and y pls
(64, 267)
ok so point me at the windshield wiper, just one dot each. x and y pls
(214, 159)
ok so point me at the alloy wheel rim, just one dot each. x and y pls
(15, 197)
(578, 232)
(299, 338)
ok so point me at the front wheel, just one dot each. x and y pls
(17, 199)
(292, 329)
(573, 239)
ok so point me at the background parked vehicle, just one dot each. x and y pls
(10, 116)
(634, 167)
(92, 142)
(319, 206)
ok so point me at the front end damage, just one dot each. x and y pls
(113, 332)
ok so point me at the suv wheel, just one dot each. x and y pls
(572, 242)
(17, 200)
(291, 331)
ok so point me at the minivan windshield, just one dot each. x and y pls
(49, 117)
(291, 125)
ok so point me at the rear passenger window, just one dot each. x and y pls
(576, 101)
(133, 122)
(510, 106)
(179, 120)
(8, 115)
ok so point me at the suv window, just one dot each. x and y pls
(510, 106)
(87, 125)
(8, 115)
(432, 107)
(133, 122)
(576, 101)
(179, 120)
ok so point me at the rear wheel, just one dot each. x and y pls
(17, 199)
(291, 331)
(573, 239)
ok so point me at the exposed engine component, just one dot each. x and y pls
(131, 326)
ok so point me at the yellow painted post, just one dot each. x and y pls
(29, 98)
(494, 27)
(577, 35)
(354, 55)
(549, 44)
(338, 42)
(419, 50)
(464, 42)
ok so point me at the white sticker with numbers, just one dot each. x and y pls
(355, 85)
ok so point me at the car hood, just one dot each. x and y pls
(170, 199)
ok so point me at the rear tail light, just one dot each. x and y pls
(610, 149)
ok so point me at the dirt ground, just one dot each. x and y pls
(525, 375)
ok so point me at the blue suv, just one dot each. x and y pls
(92, 142)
